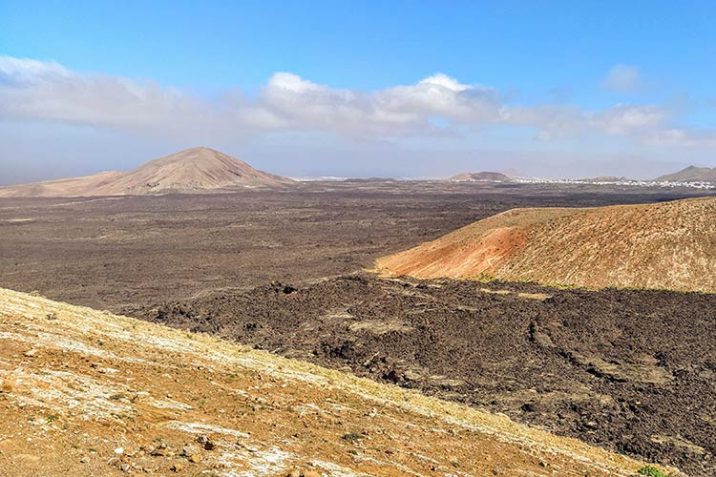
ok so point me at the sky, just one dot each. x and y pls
(408, 89)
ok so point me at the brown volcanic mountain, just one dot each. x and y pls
(691, 174)
(667, 246)
(480, 177)
(199, 168)
(196, 169)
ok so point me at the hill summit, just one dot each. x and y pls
(691, 174)
(663, 246)
(195, 169)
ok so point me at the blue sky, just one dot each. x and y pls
(338, 88)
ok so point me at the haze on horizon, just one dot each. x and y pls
(401, 89)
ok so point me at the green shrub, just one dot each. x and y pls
(651, 471)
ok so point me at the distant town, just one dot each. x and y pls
(621, 181)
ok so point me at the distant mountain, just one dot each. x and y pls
(605, 179)
(691, 174)
(196, 169)
(480, 177)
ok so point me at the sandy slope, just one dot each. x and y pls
(73, 187)
(88, 393)
(196, 169)
(666, 245)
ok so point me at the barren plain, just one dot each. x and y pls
(116, 251)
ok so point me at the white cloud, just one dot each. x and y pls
(298, 103)
(625, 119)
(47, 91)
(622, 78)
(25, 70)
(682, 138)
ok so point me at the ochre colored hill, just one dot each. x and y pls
(666, 246)
(87, 393)
(196, 169)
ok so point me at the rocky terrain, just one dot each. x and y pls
(663, 246)
(191, 170)
(86, 393)
(631, 371)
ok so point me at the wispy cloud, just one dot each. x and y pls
(622, 78)
(683, 138)
(438, 104)
(628, 119)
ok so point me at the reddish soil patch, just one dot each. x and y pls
(488, 254)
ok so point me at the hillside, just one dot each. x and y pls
(666, 245)
(480, 177)
(691, 174)
(196, 169)
(76, 186)
(89, 393)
